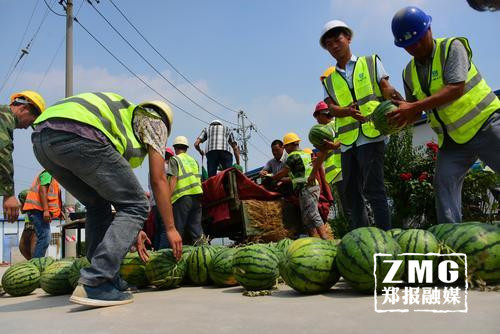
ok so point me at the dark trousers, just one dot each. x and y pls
(187, 219)
(98, 176)
(216, 158)
(363, 176)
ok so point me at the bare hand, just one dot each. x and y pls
(175, 241)
(263, 172)
(311, 180)
(11, 208)
(140, 245)
(46, 216)
(403, 115)
(330, 146)
(354, 112)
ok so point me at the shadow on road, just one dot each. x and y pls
(42, 302)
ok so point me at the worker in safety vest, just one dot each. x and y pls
(90, 142)
(331, 159)
(185, 183)
(299, 167)
(442, 80)
(43, 203)
(352, 92)
(22, 111)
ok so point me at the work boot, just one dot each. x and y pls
(105, 294)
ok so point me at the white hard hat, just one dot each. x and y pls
(332, 25)
(181, 140)
(215, 122)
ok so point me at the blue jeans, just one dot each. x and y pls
(363, 176)
(216, 158)
(98, 176)
(42, 230)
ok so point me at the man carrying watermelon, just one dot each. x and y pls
(298, 166)
(442, 80)
(353, 91)
(90, 142)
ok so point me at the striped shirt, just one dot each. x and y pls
(217, 136)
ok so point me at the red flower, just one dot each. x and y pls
(405, 176)
(423, 176)
(432, 146)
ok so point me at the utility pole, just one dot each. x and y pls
(244, 134)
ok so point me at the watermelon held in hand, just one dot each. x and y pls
(380, 120)
(319, 132)
(21, 279)
(256, 267)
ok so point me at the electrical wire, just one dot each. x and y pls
(53, 11)
(168, 62)
(155, 69)
(135, 75)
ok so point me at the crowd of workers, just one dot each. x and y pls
(90, 142)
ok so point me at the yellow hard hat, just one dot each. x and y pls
(308, 150)
(181, 140)
(33, 97)
(290, 137)
(327, 73)
(163, 108)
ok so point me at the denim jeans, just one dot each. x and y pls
(187, 219)
(454, 162)
(216, 158)
(363, 176)
(98, 176)
(42, 230)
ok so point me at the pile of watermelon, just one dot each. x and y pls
(319, 132)
(379, 118)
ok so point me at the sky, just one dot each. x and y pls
(261, 56)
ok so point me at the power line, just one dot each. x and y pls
(257, 149)
(53, 11)
(135, 75)
(155, 69)
(169, 63)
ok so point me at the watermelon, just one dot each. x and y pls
(355, 257)
(319, 132)
(481, 244)
(54, 279)
(133, 270)
(442, 231)
(21, 279)
(164, 272)
(283, 244)
(395, 232)
(221, 268)
(74, 271)
(380, 120)
(198, 262)
(309, 265)
(42, 262)
(256, 267)
(419, 241)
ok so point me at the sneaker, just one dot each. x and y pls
(102, 295)
(122, 285)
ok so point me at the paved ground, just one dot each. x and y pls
(211, 310)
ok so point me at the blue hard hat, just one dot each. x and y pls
(409, 25)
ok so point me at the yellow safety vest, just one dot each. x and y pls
(333, 164)
(306, 160)
(366, 92)
(462, 118)
(188, 178)
(108, 112)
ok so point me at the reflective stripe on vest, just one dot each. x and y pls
(306, 160)
(332, 165)
(462, 118)
(33, 201)
(108, 112)
(367, 95)
(188, 177)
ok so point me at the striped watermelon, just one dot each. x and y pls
(481, 243)
(283, 244)
(221, 268)
(42, 262)
(198, 262)
(133, 270)
(54, 279)
(256, 267)
(380, 120)
(164, 272)
(319, 132)
(355, 257)
(395, 232)
(21, 279)
(74, 271)
(309, 265)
